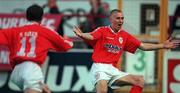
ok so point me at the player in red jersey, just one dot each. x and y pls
(108, 43)
(28, 46)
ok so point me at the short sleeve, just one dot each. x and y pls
(4, 34)
(58, 43)
(131, 44)
(97, 33)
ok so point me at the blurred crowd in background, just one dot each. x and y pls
(98, 16)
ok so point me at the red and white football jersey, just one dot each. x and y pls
(31, 43)
(108, 45)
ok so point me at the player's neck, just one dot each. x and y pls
(114, 29)
(34, 22)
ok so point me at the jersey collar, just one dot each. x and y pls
(33, 23)
(112, 30)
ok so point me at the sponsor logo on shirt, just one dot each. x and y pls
(112, 48)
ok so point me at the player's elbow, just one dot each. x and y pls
(68, 46)
(143, 47)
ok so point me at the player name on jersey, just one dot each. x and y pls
(30, 33)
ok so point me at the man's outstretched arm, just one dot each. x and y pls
(168, 44)
(79, 33)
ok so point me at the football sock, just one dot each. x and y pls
(136, 89)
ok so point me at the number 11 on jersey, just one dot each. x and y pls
(24, 41)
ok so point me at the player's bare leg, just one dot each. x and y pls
(130, 80)
(31, 91)
(136, 81)
(101, 86)
(45, 89)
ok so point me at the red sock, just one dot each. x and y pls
(136, 89)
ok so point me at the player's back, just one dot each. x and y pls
(31, 43)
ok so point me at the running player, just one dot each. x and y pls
(108, 43)
(28, 46)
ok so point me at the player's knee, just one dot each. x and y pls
(141, 81)
(101, 89)
(102, 86)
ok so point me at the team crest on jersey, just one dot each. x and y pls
(120, 40)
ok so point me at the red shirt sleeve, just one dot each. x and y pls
(5, 36)
(131, 44)
(58, 43)
(97, 33)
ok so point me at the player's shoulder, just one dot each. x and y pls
(50, 30)
(102, 28)
(123, 31)
(38, 26)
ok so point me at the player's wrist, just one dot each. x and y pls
(81, 35)
(163, 46)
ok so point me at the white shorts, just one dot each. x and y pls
(27, 75)
(106, 72)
